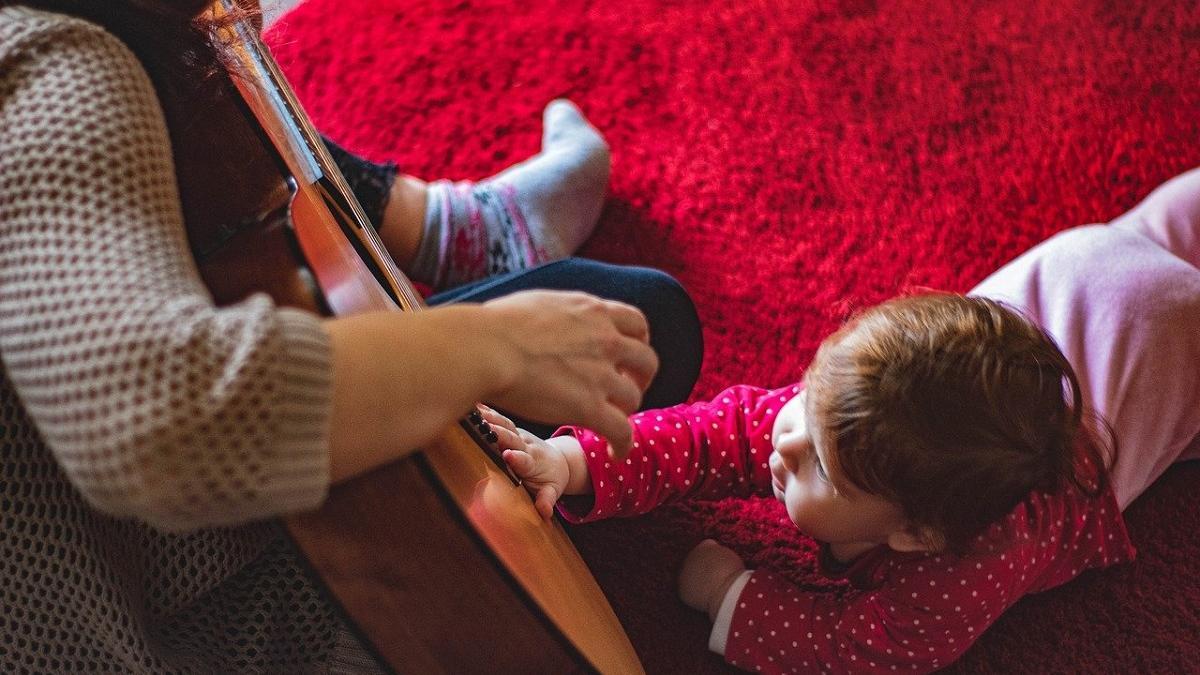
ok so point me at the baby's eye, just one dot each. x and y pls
(820, 469)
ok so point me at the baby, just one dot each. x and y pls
(944, 450)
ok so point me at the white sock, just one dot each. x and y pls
(533, 212)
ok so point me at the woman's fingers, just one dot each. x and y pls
(578, 359)
(613, 424)
(638, 361)
(623, 393)
(629, 320)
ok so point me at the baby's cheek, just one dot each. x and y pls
(792, 499)
(796, 515)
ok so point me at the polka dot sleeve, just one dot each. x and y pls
(712, 450)
(156, 404)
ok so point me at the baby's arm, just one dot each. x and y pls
(919, 615)
(706, 450)
(703, 450)
(710, 573)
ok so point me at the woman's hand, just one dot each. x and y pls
(708, 572)
(573, 358)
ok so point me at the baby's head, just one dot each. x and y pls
(950, 409)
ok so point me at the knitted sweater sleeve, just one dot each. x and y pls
(156, 404)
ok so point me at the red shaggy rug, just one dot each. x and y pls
(790, 161)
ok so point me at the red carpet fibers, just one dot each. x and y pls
(790, 161)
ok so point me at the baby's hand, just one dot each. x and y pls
(540, 466)
(708, 572)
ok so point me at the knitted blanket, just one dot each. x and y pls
(790, 162)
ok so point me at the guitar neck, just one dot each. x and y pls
(273, 102)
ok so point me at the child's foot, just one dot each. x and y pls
(539, 210)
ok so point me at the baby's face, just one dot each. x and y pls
(819, 501)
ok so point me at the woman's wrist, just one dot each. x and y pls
(399, 378)
(503, 357)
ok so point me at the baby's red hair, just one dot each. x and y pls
(955, 408)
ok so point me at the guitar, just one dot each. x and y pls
(438, 560)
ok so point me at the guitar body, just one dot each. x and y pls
(439, 560)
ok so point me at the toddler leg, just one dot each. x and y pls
(1125, 309)
(1170, 217)
(537, 211)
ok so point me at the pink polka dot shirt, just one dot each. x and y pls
(906, 612)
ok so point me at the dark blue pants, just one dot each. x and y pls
(674, 327)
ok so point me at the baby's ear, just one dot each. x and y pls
(915, 538)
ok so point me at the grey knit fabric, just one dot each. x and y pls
(148, 438)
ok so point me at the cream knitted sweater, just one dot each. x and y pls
(148, 437)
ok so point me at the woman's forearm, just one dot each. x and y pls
(399, 379)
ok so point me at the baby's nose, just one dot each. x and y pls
(790, 451)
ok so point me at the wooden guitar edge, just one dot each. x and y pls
(456, 577)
